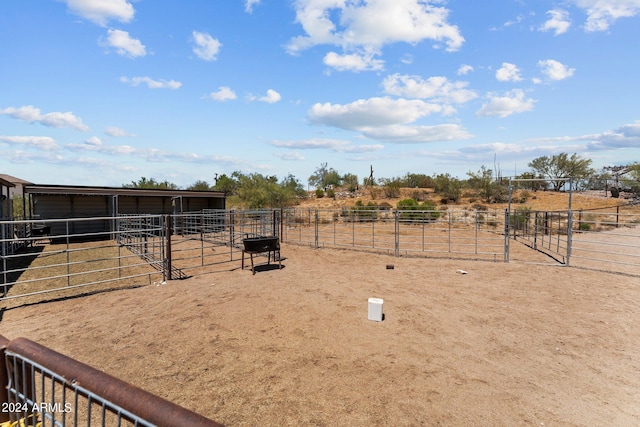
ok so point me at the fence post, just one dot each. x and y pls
(316, 231)
(4, 379)
(506, 235)
(167, 270)
(569, 235)
(397, 233)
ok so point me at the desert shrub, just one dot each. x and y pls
(366, 212)
(391, 188)
(411, 210)
(319, 193)
(524, 196)
(375, 192)
(331, 193)
(419, 195)
(520, 218)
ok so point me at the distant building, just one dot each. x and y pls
(65, 201)
(10, 186)
(16, 188)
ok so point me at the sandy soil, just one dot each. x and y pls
(503, 345)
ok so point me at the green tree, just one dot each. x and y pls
(256, 191)
(561, 166)
(488, 189)
(324, 176)
(226, 184)
(151, 183)
(350, 180)
(199, 186)
(418, 180)
(449, 187)
(290, 191)
(533, 182)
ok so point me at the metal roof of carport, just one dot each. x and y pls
(117, 191)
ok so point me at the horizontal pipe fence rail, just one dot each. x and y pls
(41, 387)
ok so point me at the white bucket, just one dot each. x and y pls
(375, 309)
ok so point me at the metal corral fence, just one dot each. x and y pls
(62, 255)
(459, 233)
(65, 254)
(604, 239)
(40, 387)
(129, 250)
(214, 237)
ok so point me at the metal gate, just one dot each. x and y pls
(547, 232)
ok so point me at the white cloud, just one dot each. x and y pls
(558, 22)
(249, 4)
(372, 112)
(387, 119)
(124, 44)
(438, 89)
(38, 142)
(117, 132)
(508, 73)
(206, 47)
(312, 143)
(624, 137)
(554, 70)
(151, 84)
(603, 13)
(512, 102)
(365, 27)
(270, 98)
(32, 114)
(465, 69)
(224, 93)
(102, 11)
(353, 62)
(335, 145)
(94, 140)
(418, 134)
(290, 156)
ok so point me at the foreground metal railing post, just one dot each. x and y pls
(4, 379)
(118, 397)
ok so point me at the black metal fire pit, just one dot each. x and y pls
(261, 244)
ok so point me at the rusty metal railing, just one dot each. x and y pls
(40, 387)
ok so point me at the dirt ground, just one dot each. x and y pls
(502, 345)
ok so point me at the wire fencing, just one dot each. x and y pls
(93, 254)
(460, 233)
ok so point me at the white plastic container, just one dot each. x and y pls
(375, 309)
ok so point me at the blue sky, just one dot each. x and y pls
(103, 92)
